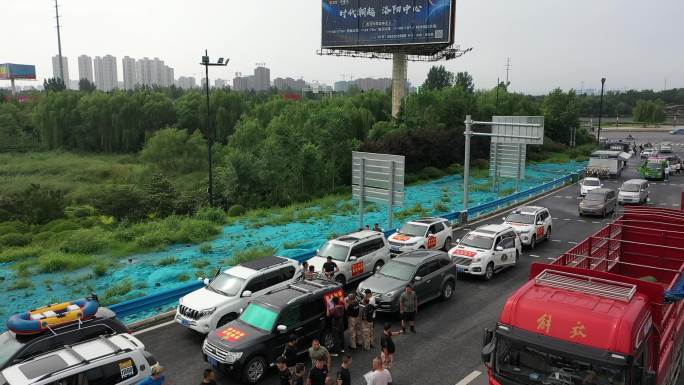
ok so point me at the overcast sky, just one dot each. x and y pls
(551, 43)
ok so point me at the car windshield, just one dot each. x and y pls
(630, 187)
(413, 230)
(226, 284)
(654, 165)
(337, 252)
(477, 241)
(259, 316)
(9, 346)
(598, 197)
(591, 182)
(528, 364)
(398, 270)
(527, 219)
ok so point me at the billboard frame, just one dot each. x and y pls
(378, 178)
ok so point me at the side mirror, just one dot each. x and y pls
(503, 219)
(206, 281)
(281, 328)
(488, 345)
(241, 310)
(417, 278)
(353, 258)
(499, 248)
(458, 240)
(246, 294)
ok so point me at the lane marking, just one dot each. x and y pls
(556, 240)
(551, 258)
(581, 220)
(597, 222)
(567, 219)
(161, 325)
(558, 196)
(534, 256)
(555, 218)
(572, 243)
(675, 205)
(568, 197)
(663, 203)
(469, 378)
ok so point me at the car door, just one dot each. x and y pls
(539, 226)
(290, 317)
(375, 247)
(498, 257)
(431, 241)
(358, 267)
(508, 243)
(611, 201)
(428, 284)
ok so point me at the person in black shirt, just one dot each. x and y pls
(387, 346)
(330, 268)
(299, 377)
(337, 323)
(343, 375)
(283, 373)
(208, 378)
(318, 373)
(354, 322)
(291, 353)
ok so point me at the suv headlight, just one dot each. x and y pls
(231, 357)
(410, 244)
(207, 312)
(476, 260)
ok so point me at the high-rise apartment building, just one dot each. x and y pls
(106, 77)
(186, 82)
(129, 74)
(220, 83)
(289, 84)
(55, 69)
(262, 79)
(85, 68)
(168, 76)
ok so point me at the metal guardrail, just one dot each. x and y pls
(166, 297)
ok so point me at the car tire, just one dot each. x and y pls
(548, 234)
(448, 290)
(489, 271)
(447, 244)
(378, 265)
(533, 242)
(341, 279)
(254, 370)
(225, 319)
(328, 340)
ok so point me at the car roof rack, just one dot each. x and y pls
(264, 263)
(589, 285)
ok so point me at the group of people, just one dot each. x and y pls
(360, 317)
(157, 377)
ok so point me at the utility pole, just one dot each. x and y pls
(59, 45)
(508, 68)
(598, 136)
(496, 105)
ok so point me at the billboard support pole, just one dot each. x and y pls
(390, 200)
(466, 161)
(14, 89)
(362, 194)
(398, 82)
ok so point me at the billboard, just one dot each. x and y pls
(410, 26)
(17, 71)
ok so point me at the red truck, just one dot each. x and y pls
(607, 312)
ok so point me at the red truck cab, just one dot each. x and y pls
(607, 312)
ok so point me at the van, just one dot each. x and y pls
(633, 191)
(120, 359)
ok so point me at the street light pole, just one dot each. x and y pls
(210, 133)
(598, 137)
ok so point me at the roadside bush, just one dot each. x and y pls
(79, 211)
(100, 269)
(19, 253)
(151, 241)
(22, 283)
(236, 210)
(455, 168)
(24, 268)
(167, 261)
(481, 164)
(86, 241)
(56, 262)
(60, 225)
(205, 248)
(120, 201)
(441, 207)
(211, 214)
(199, 263)
(433, 172)
(115, 291)
(14, 227)
(195, 231)
(182, 277)
(15, 240)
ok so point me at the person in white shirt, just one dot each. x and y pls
(379, 375)
(667, 171)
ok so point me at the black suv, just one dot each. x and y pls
(17, 348)
(250, 344)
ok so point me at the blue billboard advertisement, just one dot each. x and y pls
(354, 24)
(17, 71)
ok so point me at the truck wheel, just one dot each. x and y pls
(225, 319)
(377, 266)
(254, 370)
(447, 291)
(489, 271)
(447, 244)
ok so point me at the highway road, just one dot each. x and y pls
(446, 349)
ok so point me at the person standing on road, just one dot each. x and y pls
(352, 306)
(379, 375)
(330, 268)
(371, 300)
(208, 378)
(318, 373)
(317, 351)
(667, 170)
(408, 307)
(156, 378)
(367, 311)
(336, 315)
(299, 377)
(387, 346)
(343, 375)
(291, 353)
(284, 373)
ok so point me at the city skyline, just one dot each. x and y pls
(550, 44)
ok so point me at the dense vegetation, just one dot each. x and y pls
(89, 173)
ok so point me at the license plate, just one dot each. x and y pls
(185, 322)
(212, 361)
(460, 269)
(394, 248)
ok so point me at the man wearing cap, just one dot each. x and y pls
(408, 306)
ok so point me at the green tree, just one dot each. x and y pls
(54, 85)
(649, 112)
(161, 195)
(437, 78)
(561, 114)
(175, 151)
(86, 85)
(465, 81)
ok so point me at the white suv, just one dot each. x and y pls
(486, 249)
(119, 359)
(588, 184)
(220, 301)
(356, 255)
(424, 233)
(531, 223)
